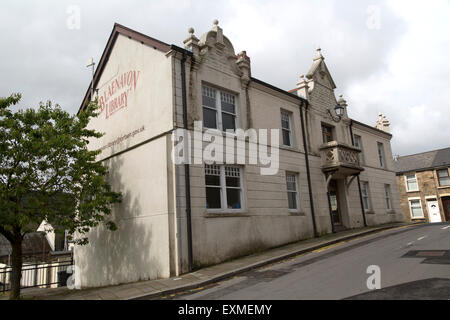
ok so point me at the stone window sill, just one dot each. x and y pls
(225, 214)
(297, 213)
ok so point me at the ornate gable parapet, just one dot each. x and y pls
(319, 72)
(214, 38)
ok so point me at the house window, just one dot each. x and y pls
(365, 195)
(219, 109)
(286, 128)
(387, 193)
(416, 208)
(444, 179)
(223, 187)
(327, 133)
(292, 191)
(358, 144)
(381, 154)
(411, 182)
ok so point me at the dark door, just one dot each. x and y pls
(334, 202)
(446, 205)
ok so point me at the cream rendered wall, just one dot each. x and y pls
(265, 220)
(140, 248)
(378, 177)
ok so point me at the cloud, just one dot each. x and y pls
(387, 56)
(412, 90)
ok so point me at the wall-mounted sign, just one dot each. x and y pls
(116, 93)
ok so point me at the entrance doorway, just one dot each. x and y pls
(433, 211)
(336, 217)
(446, 205)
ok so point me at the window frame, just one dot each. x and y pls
(410, 208)
(290, 129)
(360, 146)
(223, 190)
(365, 187)
(297, 191)
(325, 125)
(388, 196)
(218, 109)
(439, 178)
(381, 155)
(406, 183)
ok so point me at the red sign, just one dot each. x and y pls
(115, 96)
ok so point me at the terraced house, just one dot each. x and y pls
(424, 184)
(323, 172)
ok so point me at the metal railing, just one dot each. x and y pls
(42, 275)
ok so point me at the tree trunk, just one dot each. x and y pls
(16, 269)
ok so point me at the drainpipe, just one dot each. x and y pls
(187, 176)
(357, 177)
(308, 175)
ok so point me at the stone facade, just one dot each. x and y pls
(309, 194)
(423, 170)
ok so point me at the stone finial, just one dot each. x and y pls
(191, 42)
(219, 34)
(382, 122)
(319, 54)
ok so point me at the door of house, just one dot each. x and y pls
(433, 211)
(334, 202)
(446, 205)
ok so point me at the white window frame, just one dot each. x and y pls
(388, 196)
(289, 120)
(410, 208)
(223, 190)
(218, 108)
(406, 183)
(365, 186)
(359, 144)
(381, 155)
(439, 181)
(296, 191)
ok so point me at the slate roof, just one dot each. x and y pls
(32, 244)
(422, 161)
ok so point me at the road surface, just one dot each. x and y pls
(413, 263)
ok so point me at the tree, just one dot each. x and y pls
(48, 174)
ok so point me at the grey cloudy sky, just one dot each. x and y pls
(385, 56)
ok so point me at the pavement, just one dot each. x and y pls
(197, 280)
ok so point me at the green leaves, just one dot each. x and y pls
(48, 173)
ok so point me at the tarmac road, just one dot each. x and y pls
(414, 263)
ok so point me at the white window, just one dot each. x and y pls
(219, 109)
(286, 128)
(387, 193)
(358, 144)
(443, 177)
(411, 182)
(381, 154)
(415, 207)
(365, 195)
(292, 191)
(223, 187)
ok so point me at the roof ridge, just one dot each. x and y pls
(424, 152)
